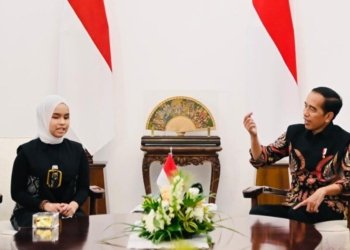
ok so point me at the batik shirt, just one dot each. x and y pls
(315, 160)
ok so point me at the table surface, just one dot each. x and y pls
(255, 232)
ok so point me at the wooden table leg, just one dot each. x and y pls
(215, 177)
(146, 174)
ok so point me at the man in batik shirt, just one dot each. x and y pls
(319, 161)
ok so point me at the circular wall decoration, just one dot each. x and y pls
(180, 114)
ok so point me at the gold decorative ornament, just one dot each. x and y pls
(54, 177)
(180, 114)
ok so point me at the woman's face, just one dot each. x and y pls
(59, 122)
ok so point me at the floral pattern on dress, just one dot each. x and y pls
(32, 188)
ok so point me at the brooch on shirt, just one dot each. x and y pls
(324, 152)
(54, 177)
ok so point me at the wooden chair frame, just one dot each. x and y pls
(254, 191)
(95, 193)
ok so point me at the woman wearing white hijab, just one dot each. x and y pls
(50, 173)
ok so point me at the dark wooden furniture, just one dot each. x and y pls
(186, 150)
(87, 232)
(0, 198)
(277, 189)
(272, 176)
(96, 194)
(97, 184)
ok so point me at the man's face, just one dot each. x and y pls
(315, 119)
(59, 123)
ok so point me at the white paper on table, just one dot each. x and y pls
(135, 242)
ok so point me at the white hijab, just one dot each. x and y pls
(44, 113)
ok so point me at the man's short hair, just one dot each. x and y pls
(333, 101)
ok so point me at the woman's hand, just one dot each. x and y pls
(52, 207)
(68, 210)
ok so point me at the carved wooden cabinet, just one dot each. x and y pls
(187, 150)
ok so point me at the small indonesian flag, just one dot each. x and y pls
(168, 171)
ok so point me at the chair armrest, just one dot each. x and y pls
(96, 192)
(254, 191)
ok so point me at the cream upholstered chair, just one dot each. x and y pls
(255, 192)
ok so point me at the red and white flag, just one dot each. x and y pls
(85, 72)
(168, 171)
(272, 69)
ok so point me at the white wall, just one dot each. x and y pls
(161, 49)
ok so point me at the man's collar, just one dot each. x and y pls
(325, 132)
